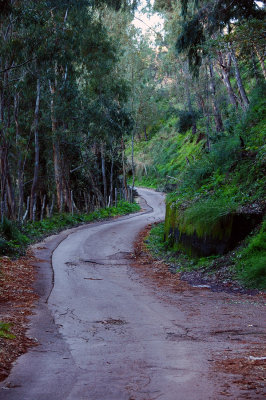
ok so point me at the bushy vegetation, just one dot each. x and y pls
(247, 265)
(234, 166)
(202, 215)
(186, 120)
(14, 237)
(251, 260)
(5, 331)
(158, 247)
(206, 184)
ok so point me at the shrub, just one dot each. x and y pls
(251, 267)
(5, 247)
(206, 213)
(5, 331)
(11, 232)
(186, 120)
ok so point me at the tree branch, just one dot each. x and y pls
(148, 26)
(17, 66)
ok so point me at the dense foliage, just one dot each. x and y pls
(208, 147)
(63, 110)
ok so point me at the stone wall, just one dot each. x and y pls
(216, 238)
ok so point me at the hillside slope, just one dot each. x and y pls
(216, 195)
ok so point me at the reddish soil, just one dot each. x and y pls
(17, 299)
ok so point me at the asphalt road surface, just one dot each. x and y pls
(104, 334)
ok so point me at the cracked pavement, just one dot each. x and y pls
(106, 335)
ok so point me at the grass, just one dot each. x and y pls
(155, 240)
(247, 265)
(159, 249)
(203, 215)
(5, 331)
(145, 181)
(15, 238)
(251, 261)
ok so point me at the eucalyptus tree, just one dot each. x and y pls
(17, 54)
(48, 49)
(136, 65)
(206, 21)
(209, 35)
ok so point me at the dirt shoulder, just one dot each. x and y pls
(17, 298)
(233, 324)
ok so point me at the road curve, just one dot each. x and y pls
(106, 335)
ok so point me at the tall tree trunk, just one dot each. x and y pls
(124, 168)
(217, 113)
(255, 69)
(225, 66)
(104, 173)
(145, 133)
(261, 60)
(10, 195)
(240, 85)
(9, 187)
(65, 179)
(95, 189)
(20, 189)
(2, 147)
(112, 177)
(20, 162)
(56, 148)
(132, 160)
(207, 111)
(65, 174)
(3, 162)
(35, 128)
(6, 187)
(204, 108)
(189, 102)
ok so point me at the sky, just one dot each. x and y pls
(154, 21)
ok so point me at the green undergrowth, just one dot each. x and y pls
(206, 185)
(251, 260)
(206, 216)
(160, 160)
(144, 182)
(14, 237)
(160, 249)
(5, 331)
(246, 265)
(233, 170)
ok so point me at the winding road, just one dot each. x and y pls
(105, 334)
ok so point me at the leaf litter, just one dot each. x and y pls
(17, 298)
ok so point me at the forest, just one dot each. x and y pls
(89, 104)
(63, 107)
(200, 137)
